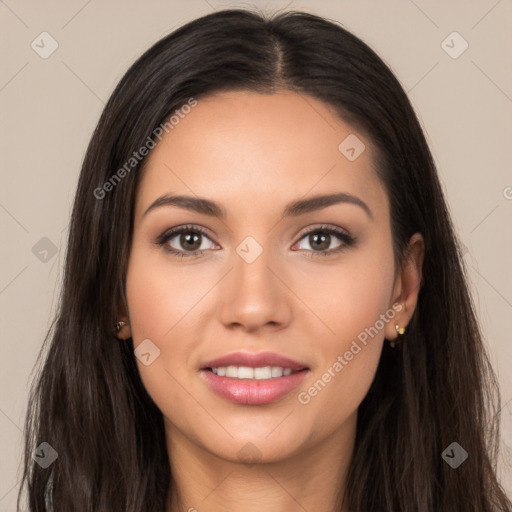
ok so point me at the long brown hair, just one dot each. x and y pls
(88, 402)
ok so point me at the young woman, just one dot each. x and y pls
(264, 303)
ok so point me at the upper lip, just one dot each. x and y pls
(254, 361)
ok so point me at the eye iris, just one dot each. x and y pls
(189, 238)
(323, 239)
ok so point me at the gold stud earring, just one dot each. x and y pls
(119, 325)
(400, 331)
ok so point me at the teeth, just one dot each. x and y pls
(265, 372)
(231, 371)
(276, 371)
(246, 372)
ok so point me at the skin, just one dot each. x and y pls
(252, 154)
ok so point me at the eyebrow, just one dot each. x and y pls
(293, 209)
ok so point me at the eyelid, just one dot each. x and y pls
(342, 234)
(163, 239)
(184, 227)
(323, 227)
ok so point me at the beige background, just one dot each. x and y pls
(49, 108)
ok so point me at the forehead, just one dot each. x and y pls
(240, 147)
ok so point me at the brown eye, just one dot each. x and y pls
(321, 239)
(185, 241)
(189, 240)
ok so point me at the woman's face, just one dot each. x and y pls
(256, 281)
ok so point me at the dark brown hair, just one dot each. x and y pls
(88, 401)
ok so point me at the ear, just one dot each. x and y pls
(407, 284)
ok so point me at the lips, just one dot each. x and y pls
(253, 391)
(254, 361)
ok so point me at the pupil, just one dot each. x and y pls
(324, 241)
(190, 240)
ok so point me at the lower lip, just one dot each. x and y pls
(253, 391)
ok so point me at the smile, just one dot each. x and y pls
(256, 390)
(246, 372)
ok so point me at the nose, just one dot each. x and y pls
(254, 295)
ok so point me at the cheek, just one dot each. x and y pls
(159, 295)
(161, 306)
(349, 295)
(161, 302)
(350, 299)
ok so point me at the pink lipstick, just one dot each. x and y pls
(253, 379)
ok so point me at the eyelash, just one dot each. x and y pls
(346, 239)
